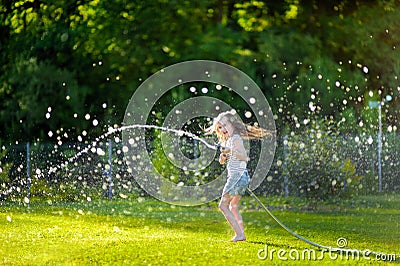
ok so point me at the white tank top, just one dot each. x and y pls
(234, 164)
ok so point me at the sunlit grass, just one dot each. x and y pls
(146, 231)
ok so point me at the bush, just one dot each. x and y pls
(4, 169)
(316, 166)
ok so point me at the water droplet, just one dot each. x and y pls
(252, 100)
(100, 152)
(311, 106)
(247, 114)
(192, 89)
(365, 69)
(218, 87)
(204, 90)
(9, 219)
(87, 116)
(95, 122)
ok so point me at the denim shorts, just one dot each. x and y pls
(237, 185)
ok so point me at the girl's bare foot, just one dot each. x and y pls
(238, 238)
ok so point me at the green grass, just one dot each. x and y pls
(145, 231)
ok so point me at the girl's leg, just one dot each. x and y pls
(234, 208)
(224, 207)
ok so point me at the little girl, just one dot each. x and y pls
(230, 132)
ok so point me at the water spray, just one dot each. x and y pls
(112, 131)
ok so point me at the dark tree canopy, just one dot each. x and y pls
(64, 60)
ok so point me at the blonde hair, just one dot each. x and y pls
(244, 130)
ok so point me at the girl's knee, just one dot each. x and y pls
(233, 207)
(221, 206)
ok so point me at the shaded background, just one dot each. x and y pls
(68, 69)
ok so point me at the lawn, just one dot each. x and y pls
(145, 231)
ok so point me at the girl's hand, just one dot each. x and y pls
(225, 150)
(222, 158)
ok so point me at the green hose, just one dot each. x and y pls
(332, 249)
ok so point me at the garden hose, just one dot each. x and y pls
(331, 249)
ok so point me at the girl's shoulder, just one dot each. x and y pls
(236, 136)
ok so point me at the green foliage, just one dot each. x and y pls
(175, 169)
(103, 50)
(160, 160)
(315, 164)
(5, 167)
(41, 95)
(312, 59)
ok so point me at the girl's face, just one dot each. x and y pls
(225, 128)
